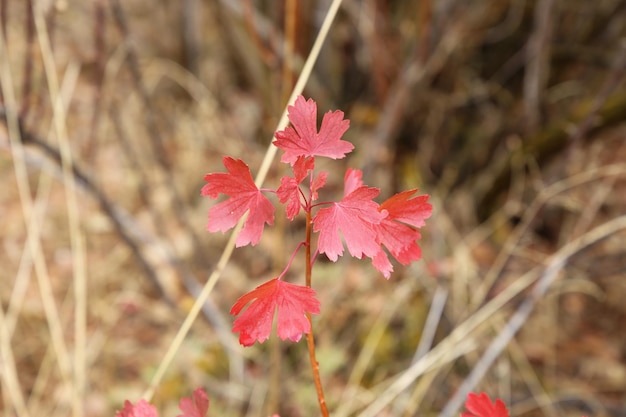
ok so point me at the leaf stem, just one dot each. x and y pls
(315, 367)
(293, 255)
(308, 248)
(309, 337)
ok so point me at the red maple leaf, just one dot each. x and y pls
(302, 138)
(292, 302)
(354, 216)
(396, 231)
(244, 196)
(142, 409)
(480, 405)
(196, 406)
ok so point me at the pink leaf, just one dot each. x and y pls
(352, 180)
(396, 232)
(405, 208)
(355, 215)
(318, 183)
(289, 190)
(244, 196)
(302, 138)
(302, 166)
(292, 302)
(381, 263)
(480, 405)
(196, 406)
(142, 409)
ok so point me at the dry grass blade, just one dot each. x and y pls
(22, 279)
(410, 402)
(79, 267)
(14, 400)
(9, 371)
(538, 56)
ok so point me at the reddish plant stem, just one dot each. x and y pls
(308, 248)
(316, 370)
(309, 337)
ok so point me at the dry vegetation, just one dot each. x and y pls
(511, 114)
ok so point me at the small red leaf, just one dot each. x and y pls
(302, 138)
(142, 409)
(480, 405)
(244, 196)
(407, 208)
(292, 302)
(289, 190)
(318, 183)
(196, 406)
(352, 180)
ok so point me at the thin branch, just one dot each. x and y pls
(538, 62)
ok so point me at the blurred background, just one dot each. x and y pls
(511, 114)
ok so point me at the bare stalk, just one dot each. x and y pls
(315, 367)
